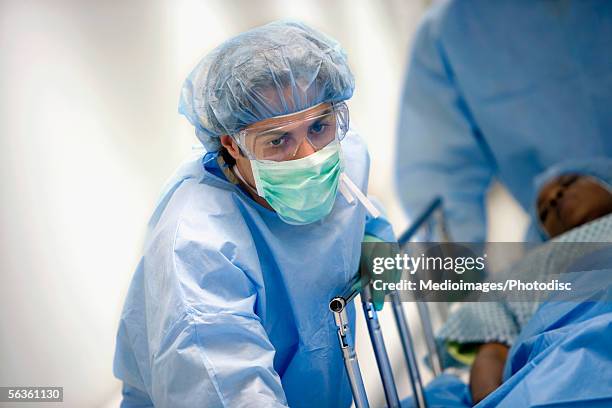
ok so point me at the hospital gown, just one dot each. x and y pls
(501, 322)
(561, 349)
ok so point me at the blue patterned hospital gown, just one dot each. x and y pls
(502, 321)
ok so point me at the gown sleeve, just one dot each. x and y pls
(440, 149)
(213, 350)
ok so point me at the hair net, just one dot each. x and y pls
(599, 168)
(279, 68)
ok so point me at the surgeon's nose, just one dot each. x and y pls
(305, 149)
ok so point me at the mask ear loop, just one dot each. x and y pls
(349, 190)
(239, 175)
(344, 190)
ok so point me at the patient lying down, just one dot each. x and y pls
(566, 200)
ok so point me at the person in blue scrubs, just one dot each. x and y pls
(250, 240)
(501, 90)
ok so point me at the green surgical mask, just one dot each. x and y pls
(301, 191)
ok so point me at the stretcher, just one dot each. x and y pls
(433, 215)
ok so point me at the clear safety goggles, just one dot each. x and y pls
(279, 138)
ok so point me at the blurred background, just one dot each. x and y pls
(89, 132)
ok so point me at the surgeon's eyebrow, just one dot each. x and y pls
(326, 111)
(274, 133)
(324, 114)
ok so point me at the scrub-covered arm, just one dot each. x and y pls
(216, 353)
(440, 149)
(378, 230)
(379, 227)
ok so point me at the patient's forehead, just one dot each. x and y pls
(584, 184)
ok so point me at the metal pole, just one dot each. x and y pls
(442, 308)
(337, 306)
(409, 354)
(430, 340)
(419, 222)
(442, 227)
(435, 209)
(378, 344)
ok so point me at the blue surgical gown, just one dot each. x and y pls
(229, 304)
(562, 356)
(561, 359)
(501, 89)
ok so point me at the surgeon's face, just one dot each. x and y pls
(294, 136)
(572, 200)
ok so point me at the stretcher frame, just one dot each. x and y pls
(361, 285)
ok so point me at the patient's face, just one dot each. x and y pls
(572, 200)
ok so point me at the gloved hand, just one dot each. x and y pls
(373, 247)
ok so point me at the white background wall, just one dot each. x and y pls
(89, 131)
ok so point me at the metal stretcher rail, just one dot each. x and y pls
(361, 285)
(434, 209)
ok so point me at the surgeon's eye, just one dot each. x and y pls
(318, 127)
(278, 142)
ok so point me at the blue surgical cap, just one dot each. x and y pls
(277, 69)
(599, 168)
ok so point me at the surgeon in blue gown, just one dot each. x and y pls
(252, 238)
(501, 90)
